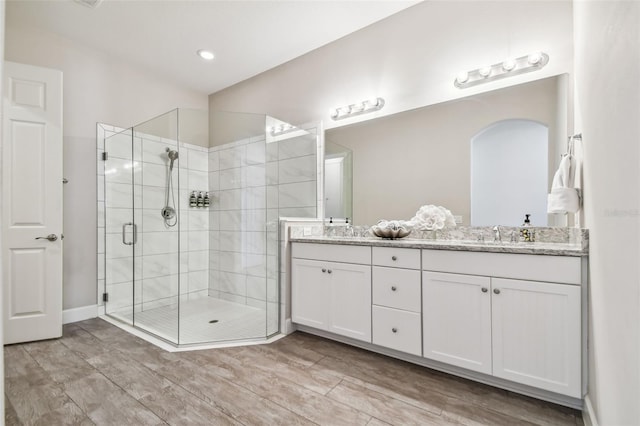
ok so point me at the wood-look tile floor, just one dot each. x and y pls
(99, 374)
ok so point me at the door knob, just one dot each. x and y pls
(50, 237)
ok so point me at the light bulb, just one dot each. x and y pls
(462, 77)
(484, 71)
(509, 65)
(205, 54)
(534, 58)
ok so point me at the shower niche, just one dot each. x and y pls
(188, 275)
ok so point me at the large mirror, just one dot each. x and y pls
(426, 156)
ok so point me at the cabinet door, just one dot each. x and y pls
(536, 334)
(350, 300)
(456, 315)
(310, 290)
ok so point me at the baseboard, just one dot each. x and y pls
(79, 314)
(588, 415)
(288, 327)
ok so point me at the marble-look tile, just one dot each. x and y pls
(254, 198)
(100, 190)
(156, 175)
(214, 220)
(115, 248)
(255, 264)
(159, 265)
(198, 280)
(119, 195)
(257, 288)
(198, 220)
(231, 241)
(232, 157)
(231, 220)
(255, 220)
(214, 161)
(214, 241)
(214, 181)
(254, 242)
(156, 288)
(301, 194)
(198, 160)
(119, 146)
(198, 180)
(231, 199)
(230, 297)
(158, 242)
(198, 260)
(299, 169)
(297, 147)
(271, 173)
(119, 270)
(197, 240)
(230, 262)
(231, 179)
(233, 283)
(255, 175)
(256, 153)
(153, 197)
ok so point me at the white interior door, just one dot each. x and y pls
(32, 203)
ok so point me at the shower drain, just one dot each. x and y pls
(213, 321)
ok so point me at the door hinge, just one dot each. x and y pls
(105, 156)
(105, 297)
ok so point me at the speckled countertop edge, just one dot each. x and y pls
(549, 249)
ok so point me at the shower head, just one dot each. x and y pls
(173, 155)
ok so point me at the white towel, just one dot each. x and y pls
(564, 198)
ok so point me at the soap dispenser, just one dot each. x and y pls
(526, 233)
(200, 199)
(206, 201)
(192, 199)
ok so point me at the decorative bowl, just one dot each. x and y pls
(390, 233)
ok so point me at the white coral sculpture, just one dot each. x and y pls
(430, 218)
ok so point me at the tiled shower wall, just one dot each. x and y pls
(156, 260)
(254, 183)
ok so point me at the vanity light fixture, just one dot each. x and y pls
(281, 129)
(206, 54)
(364, 107)
(507, 68)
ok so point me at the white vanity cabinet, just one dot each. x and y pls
(396, 299)
(331, 288)
(525, 331)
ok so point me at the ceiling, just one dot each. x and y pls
(247, 37)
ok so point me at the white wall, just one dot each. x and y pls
(607, 66)
(97, 88)
(1, 201)
(410, 59)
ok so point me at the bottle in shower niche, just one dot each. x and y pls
(200, 200)
(527, 234)
(192, 199)
(206, 200)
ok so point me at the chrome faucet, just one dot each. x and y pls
(497, 238)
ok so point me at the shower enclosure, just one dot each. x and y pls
(191, 231)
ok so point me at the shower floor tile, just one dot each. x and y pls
(202, 320)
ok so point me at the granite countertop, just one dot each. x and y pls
(541, 248)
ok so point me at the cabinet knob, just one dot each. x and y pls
(324, 269)
(496, 290)
(393, 288)
(395, 330)
(484, 289)
(394, 258)
(329, 270)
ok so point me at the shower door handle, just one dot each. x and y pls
(135, 233)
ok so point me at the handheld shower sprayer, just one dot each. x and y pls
(173, 155)
(168, 212)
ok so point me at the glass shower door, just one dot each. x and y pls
(120, 166)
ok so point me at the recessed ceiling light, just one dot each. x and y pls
(205, 54)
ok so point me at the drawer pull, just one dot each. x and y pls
(324, 270)
(393, 288)
(329, 270)
(496, 290)
(395, 330)
(394, 258)
(484, 289)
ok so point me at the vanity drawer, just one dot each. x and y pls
(396, 257)
(396, 329)
(332, 252)
(396, 288)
